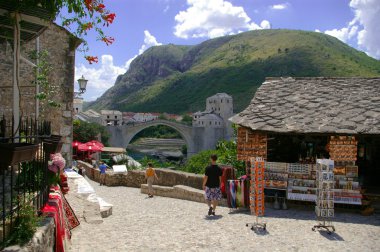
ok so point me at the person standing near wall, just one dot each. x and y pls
(211, 184)
(150, 175)
(102, 168)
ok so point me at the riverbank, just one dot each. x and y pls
(157, 147)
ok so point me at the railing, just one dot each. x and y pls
(24, 182)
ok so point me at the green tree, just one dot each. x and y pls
(187, 119)
(85, 131)
(198, 162)
(227, 154)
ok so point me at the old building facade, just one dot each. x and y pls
(60, 45)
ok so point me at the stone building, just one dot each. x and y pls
(219, 108)
(111, 117)
(78, 105)
(212, 125)
(60, 45)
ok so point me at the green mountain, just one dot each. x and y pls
(177, 79)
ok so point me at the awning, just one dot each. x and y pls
(114, 149)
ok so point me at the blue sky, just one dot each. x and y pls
(140, 24)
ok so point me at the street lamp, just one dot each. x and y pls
(82, 84)
(82, 87)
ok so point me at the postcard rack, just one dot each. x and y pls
(324, 208)
(256, 192)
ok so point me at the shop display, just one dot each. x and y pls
(237, 193)
(256, 193)
(251, 144)
(342, 148)
(343, 151)
(324, 208)
(275, 180)
(301, 182)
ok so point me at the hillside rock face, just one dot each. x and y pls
(178, 79)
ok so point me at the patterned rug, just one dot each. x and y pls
(72, 220)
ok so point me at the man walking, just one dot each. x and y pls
(211, 185)
(102, 168)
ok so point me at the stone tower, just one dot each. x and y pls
(221, 104)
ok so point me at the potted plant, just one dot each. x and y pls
(13, 153)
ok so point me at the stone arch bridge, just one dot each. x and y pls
(196, 138)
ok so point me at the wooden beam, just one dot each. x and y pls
(35, 20)
(22, 29)
(28, 18)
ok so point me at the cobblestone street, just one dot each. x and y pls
(139, 223)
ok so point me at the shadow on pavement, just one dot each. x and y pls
(213, 217)
(332, 237)
(309, 214)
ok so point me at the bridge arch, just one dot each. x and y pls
(122, 135)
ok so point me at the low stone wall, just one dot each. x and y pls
(135, 178)
(180, 192)
(43, 239)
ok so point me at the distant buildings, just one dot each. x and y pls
(219, 108)
(212, 122)
(111, 117)
(78, 105)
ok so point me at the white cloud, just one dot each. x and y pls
(365, 26)
(102, 78)
(344, 34)
(149, 41)
(99, 79)
(212, 18)
(367, 14)
(282, 6)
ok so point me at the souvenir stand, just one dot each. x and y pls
(324, 208)
(257, 192)
(343, 150)
(237, 191)
(252, 148)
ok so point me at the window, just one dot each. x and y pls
(215, 123)
(228, 101)
(221, 101)
(108, 117)
(202, 122)
(210, 122)
(115, 117)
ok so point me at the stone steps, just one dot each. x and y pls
(179, 192)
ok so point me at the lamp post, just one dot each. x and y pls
(82, 86)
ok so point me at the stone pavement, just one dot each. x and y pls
(139, 223)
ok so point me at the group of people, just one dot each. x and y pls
(211, 182)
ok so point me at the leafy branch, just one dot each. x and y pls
(47, 91)
(82, 16)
